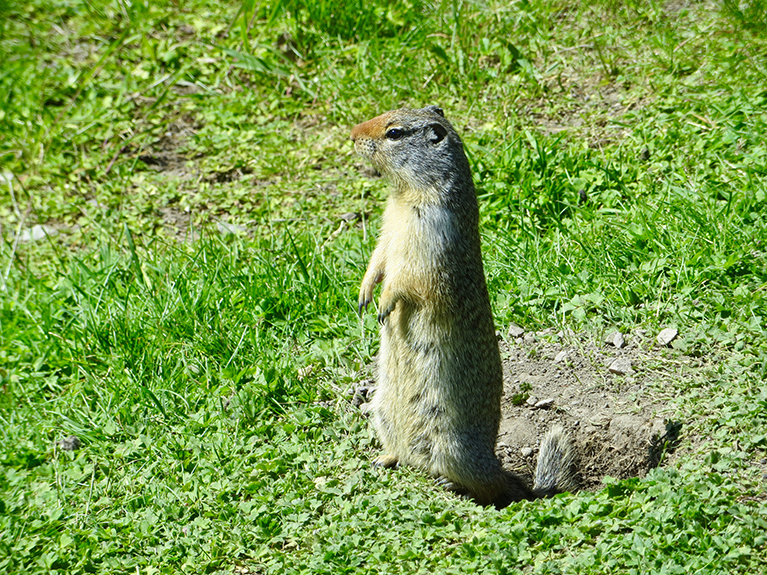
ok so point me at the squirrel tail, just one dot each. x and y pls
(556, 470)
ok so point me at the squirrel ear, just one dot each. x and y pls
(435, 133)
(436, 110)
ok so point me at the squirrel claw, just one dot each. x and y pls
(383, 315)
(363, 302)
(449, 485)
(385, 310)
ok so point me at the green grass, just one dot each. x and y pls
(620, 159)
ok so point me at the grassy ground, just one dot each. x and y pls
(178, 288)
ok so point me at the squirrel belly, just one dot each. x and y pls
(437, 404)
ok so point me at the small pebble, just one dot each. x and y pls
(227, 228)
(36, 233)
(363, 392)
(666, 336)
(365, 407)
(350, 217)
(616, 338)
(70, 443)
(561, 356)
(515, 331)
(544, 403)
(526, 451)
(621, 366)
(305, 372)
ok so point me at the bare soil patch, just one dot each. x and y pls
(620, 423)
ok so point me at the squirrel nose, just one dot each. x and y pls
(372, 128)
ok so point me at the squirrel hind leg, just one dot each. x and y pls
(515, 489)
(504, 489)
(483, 497)
(556, 470)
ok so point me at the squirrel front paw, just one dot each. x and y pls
(366, 290)
(386, 305)
(366, 296)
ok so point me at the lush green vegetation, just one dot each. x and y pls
(177, 288)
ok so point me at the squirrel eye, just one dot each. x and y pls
(395, 133)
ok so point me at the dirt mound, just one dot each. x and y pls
(601, 392)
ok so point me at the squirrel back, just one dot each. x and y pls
(437, 403)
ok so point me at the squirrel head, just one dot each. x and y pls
(417, 148)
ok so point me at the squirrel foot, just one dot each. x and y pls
(448, 484)
(451, 486)
(387, 461)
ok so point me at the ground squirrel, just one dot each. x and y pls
(437, 405)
